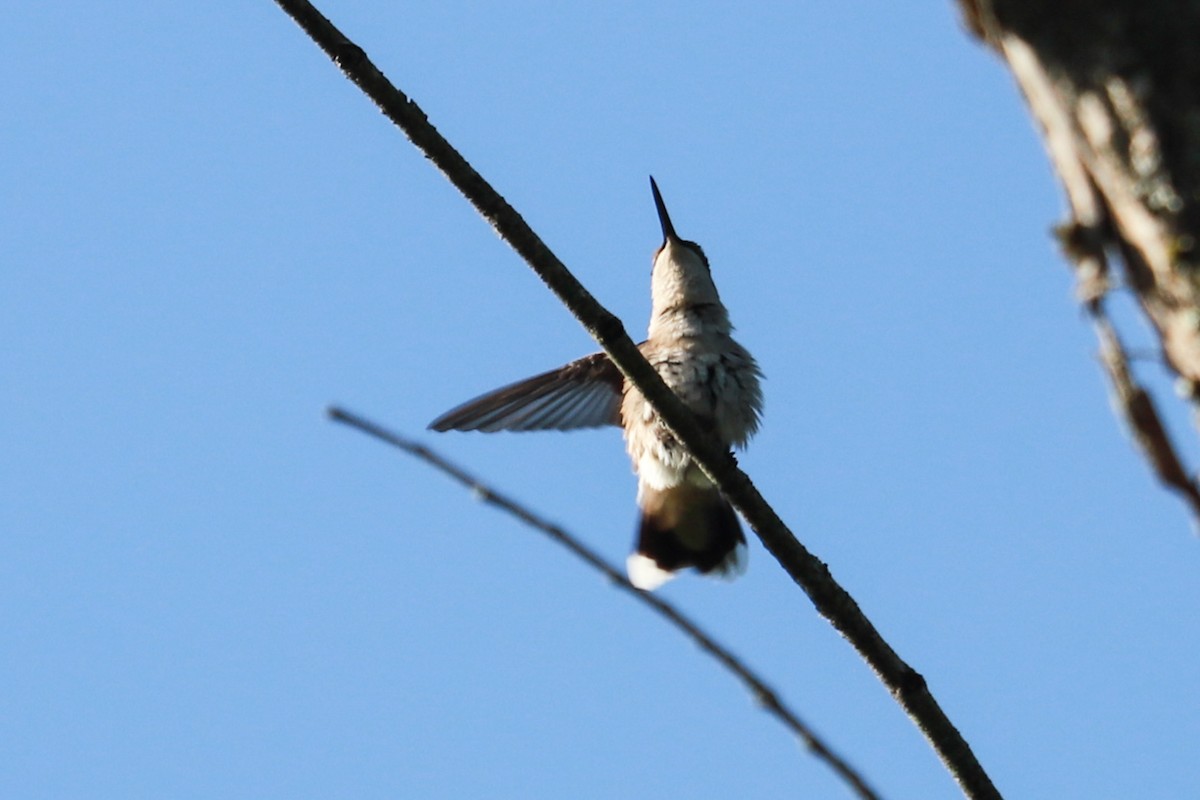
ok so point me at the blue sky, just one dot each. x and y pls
(211, 591)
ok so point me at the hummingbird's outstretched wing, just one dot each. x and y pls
(583, 394)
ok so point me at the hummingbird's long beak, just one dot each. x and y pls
(663, 218)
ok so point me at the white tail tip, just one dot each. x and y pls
(645, 574)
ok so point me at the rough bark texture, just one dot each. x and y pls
(1114, 86)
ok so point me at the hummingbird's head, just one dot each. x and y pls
(681, 280)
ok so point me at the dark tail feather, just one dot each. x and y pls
(685, 526)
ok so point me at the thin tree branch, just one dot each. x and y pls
(1084, 243)
(906, 685)
(763, 694)
(1139, 410)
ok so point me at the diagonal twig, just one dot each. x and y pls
(763, 694)
(906, 685)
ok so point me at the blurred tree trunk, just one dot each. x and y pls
(1114, 86)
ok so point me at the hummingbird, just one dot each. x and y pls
(684, 519)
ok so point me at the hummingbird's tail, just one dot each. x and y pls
(685, 526)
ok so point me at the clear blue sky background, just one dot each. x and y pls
(209, 235)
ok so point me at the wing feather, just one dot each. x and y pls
(583, 394)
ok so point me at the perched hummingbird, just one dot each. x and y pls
(685, 521)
